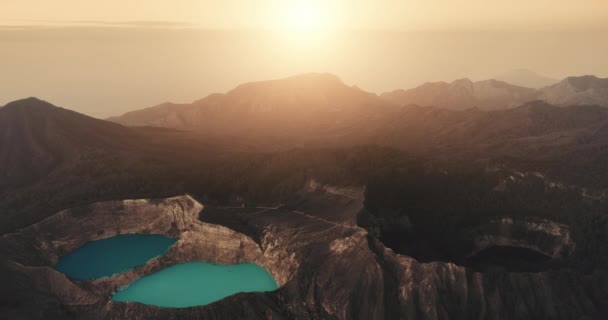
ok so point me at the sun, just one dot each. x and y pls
(304, 16)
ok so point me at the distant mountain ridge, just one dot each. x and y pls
(526, 78)
(320, 110)
(396, 168)
(303, 106)
(495, 95)
(39, 138)
(534, 130)
(300, 94)
(321, 101)
(463, 94)
(35, 136)
(583, 90)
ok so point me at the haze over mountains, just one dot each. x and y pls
(577, 91)
(464, 94)
(40, 142)
(448, 160)
(308, 94)
(319, 110)
(494, 94)
(286, 163)
(526, 78)
(36, 136)
(299, 97)
(310, 107)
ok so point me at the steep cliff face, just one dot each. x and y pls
(327, 267)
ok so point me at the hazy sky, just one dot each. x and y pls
(107, 57)
(404, 14)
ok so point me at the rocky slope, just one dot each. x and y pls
(327, 267)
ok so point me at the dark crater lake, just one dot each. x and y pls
(113, 255)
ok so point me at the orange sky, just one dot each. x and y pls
(359, 14)
(121, 55)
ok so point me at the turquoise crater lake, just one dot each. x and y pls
(196, 283)
(113, 255)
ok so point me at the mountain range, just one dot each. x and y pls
(526, 78)
(311, 110)
(496, 95)
(464, 94)
(315, 110)
(37, 136)
(315, 177)
(42, 142)
(577, 91)
(320, 110)
(318, 101)
(301, 108)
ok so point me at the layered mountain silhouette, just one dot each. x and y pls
(463, 94)
(412, 174)
(584, 90)
(52, 157)
(495, 95)
(310, 110)
(44, 147)
(305, 93)
(526, 78)
(535, 129)
(36, 136)
(304, 108)
(320, 110)
(311, 105)
(314, 109)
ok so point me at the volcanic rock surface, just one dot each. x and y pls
(326, 266)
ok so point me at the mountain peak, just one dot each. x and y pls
(305, 80)
(46, 135)
(585, 77)
(463, 94)
(31, 102)
(301, 101)
(586, 82)
(316, 76)
(581, 90)
(462, 80)
(526, 78)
